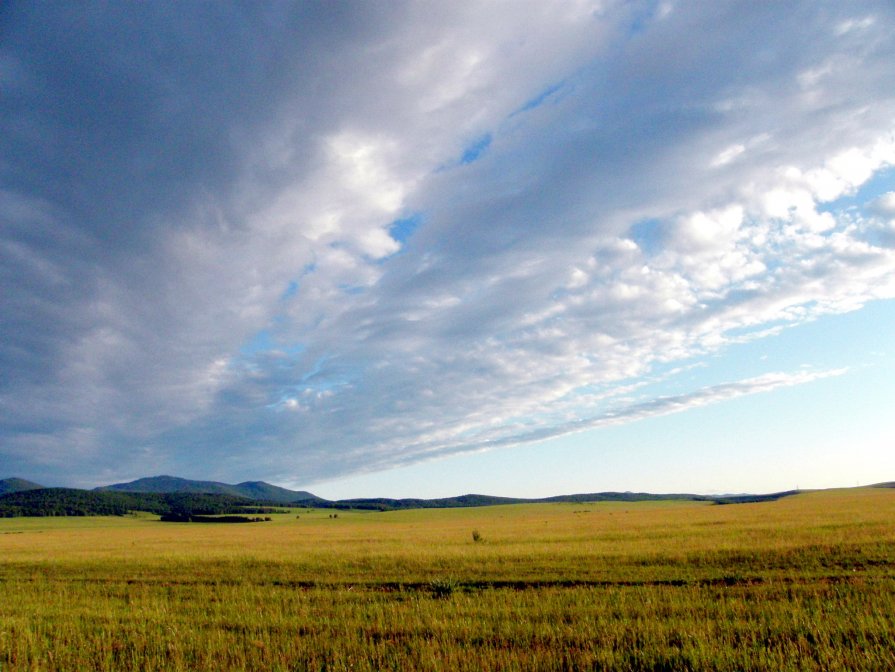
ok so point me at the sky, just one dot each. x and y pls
(427, 248)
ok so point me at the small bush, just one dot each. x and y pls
(444, 587)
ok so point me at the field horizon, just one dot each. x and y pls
(178, 499)
(806, 582)
(262, 491)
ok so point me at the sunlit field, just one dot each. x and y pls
(803, 583)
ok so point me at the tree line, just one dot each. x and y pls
(74, 502)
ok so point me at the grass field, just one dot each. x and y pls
(803, 583)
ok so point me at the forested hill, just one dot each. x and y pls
(17, 485)
(386, 504)
(72, 502)
(169, 495)
(255, 490)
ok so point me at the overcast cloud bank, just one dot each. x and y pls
(297, 241)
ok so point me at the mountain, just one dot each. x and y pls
(266, 492)
(17, 485)
(254, 490)
(161, 484)
(166, 495)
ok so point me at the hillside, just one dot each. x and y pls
(17, 485)
(181, 496)
(160, 484)
(266, 492)
(69, 502)
(72, 502)
(254, 490)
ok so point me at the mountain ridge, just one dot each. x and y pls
(254, 490)
(14, 484)
(261, 494)
(390, 504)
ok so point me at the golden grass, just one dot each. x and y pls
(805, 583)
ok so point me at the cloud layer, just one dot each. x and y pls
(295, 242)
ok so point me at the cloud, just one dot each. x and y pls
(884, 206)
(241, 171)
(881, 224)
(665, 405)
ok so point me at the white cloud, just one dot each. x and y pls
(855, 25)
(524, 302)
(884, 205)
(728, 155)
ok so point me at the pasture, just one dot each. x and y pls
(803, 583)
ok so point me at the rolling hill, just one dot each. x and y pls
(170, 494)
(74, 502)
(386, 504)
(17, 485)
(254, 490)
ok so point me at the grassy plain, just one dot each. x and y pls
(803, 583)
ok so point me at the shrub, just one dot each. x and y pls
(444, 587)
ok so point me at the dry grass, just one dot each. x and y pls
(805, 583)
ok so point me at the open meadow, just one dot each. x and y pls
(803, 583)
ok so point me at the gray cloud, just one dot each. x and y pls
(196, 204)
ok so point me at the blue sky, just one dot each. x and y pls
(422, 249)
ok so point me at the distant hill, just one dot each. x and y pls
(72, 502)
(624, 497)
(17, 485)
(266, 492)
(254, 490)
(159, 484)
(386, 504)
(181, 496)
